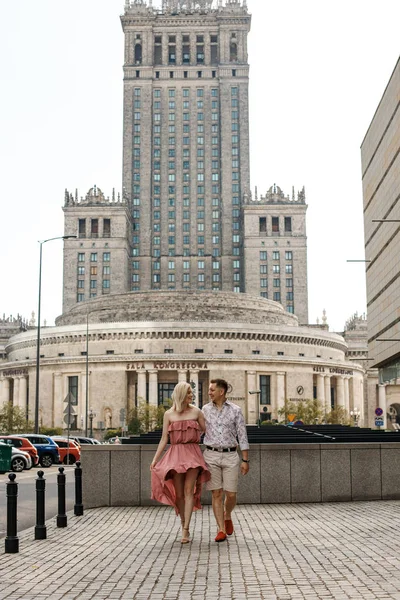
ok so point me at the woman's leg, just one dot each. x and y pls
(190, 482)
(179, 483)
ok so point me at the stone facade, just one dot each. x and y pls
(252, 342)
(381, 192)
(186, 142)
(275, 249)
(97, 262)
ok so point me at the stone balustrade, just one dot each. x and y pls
(279, 473)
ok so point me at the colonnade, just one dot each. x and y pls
(349, 393)
(150, 376)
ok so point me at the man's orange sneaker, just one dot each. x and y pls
(229, 527)
(221, 536)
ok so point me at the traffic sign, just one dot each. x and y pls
(291, 418)
(379, 411)
(299, 423)
(378, 422)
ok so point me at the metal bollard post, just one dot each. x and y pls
(78, 507)
(12, 541)
(40, 529)
(61, 517)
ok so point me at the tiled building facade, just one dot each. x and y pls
(380, 155)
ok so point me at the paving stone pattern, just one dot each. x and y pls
(277, 552)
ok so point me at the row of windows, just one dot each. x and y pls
(277, 282)
(93, 257)
(93, 229)
(186, 74)
(93, 270)
(275, 224)
(276, 269)
(93, 284)
(276, 255)
(186, 265)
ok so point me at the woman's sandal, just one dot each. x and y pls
(185, 538)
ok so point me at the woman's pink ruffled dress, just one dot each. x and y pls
(184, 453)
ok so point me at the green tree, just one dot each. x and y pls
(308, 411)
(13, 419)
(145, 417)
(338, 416)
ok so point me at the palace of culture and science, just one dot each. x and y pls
(186, 275)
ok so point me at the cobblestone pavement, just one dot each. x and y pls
(282, 552)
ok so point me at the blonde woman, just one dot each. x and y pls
(177, 478)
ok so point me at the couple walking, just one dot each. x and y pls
(177, 478)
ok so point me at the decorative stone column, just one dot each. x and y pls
(194, 378)
(382, 403)
(23, 385)
(320, 389)
(182, 375)
(328, 404)
(153, 387)
(252, 404)
(16, 391)
(340, 391)
(6, 390)
(58, 401)
(346, 394)
(141, 386)
(280, 391)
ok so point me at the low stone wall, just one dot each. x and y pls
(279, 473)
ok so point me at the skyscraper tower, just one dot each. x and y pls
(186, 141)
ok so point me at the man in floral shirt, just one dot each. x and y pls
(225, 429)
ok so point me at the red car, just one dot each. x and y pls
(22, 444)
(73, 451)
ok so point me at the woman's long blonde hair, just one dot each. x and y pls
(179, 394)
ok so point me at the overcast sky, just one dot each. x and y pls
(318, 71)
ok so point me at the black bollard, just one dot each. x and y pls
(78, 507)
(40, 529)
(61, 517)
(12, 541)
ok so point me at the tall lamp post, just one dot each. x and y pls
(63, 237)
(87, 416)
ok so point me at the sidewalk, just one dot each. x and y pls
(278, 552)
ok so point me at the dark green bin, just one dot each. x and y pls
(5, 458)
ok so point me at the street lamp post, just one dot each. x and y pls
(87, 376)
(356, 413)
(92, 414)
(63, 237)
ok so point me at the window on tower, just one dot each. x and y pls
(275, 224)
(233, 53)
(288, 224)
(158, 50)
(138, 54)
(106, 227)
(94, 228)
(82, 228)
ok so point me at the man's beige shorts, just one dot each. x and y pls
(224, 469)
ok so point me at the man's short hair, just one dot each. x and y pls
(221, 383)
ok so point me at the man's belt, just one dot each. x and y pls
(222, 449)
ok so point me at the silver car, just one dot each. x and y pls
(20, 460)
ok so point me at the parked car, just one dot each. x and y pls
(46, 447)
(67, 449)
(19, 460)
(23, 444)
(84, 440)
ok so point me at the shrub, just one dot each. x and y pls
(52, 431)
